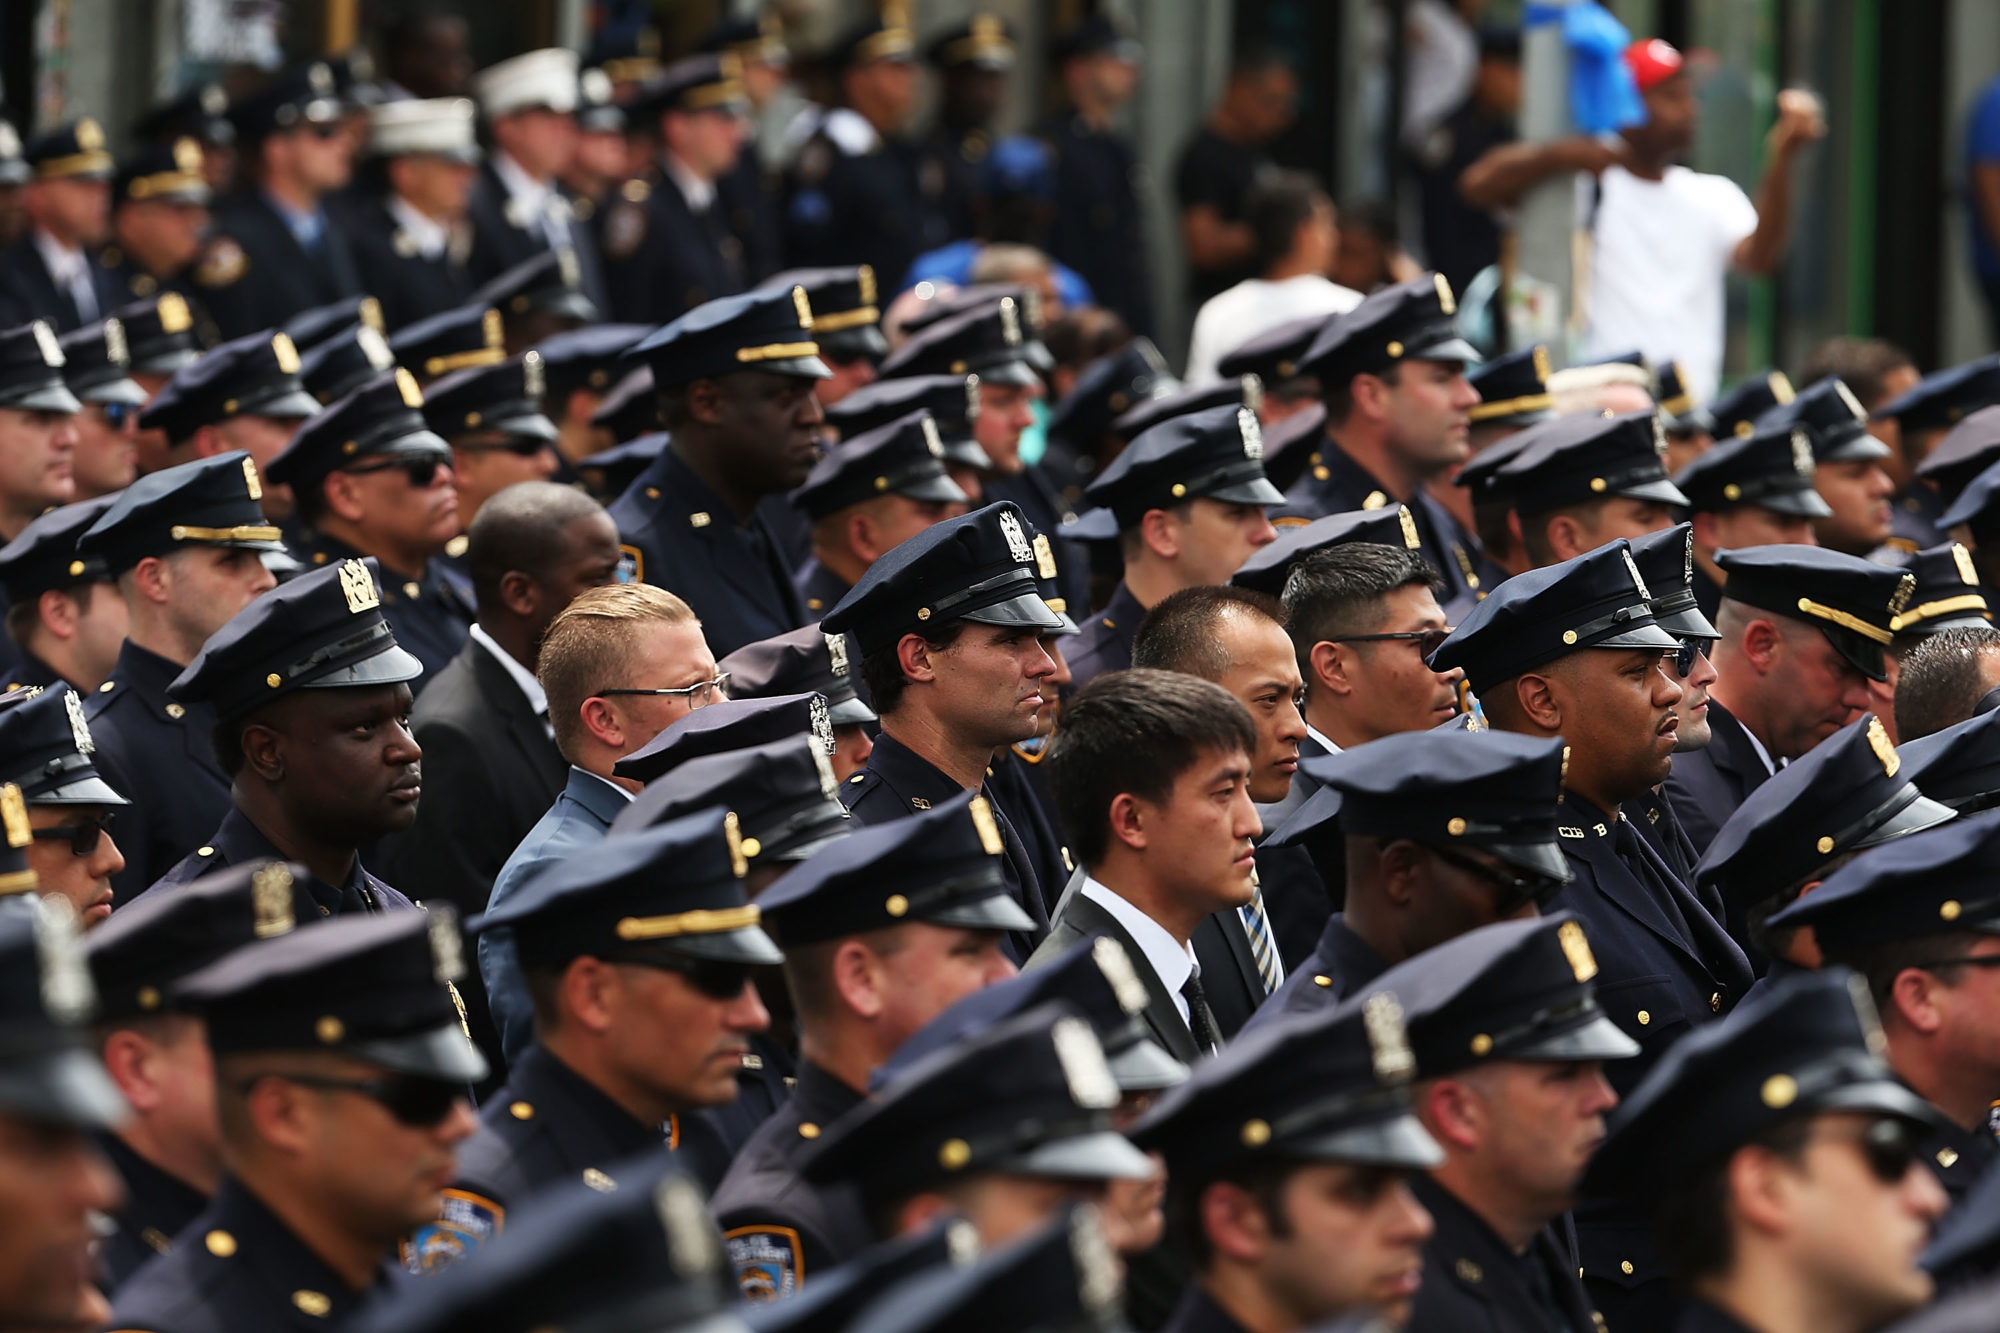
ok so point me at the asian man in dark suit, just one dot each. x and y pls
(1151, 776)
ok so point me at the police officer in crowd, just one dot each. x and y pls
(159, 211)
(64, 614)
(412, 241)
(49, 273)
(245, 394)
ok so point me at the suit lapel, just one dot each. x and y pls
(1163, 1017)
(523, 727)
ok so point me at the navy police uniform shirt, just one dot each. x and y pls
(1335, 484)
(431, 614)
(256, 273)
(1707, 786)
(856, 198)
(238, 1267)
(662, 255)
(237, 842)
(1099, 226)
(1106, 641)
(158, 752)
(680, 536)
(1340, 965)
(391, 264)
(780, 1229)
(1473, 1280)
(158, 1207)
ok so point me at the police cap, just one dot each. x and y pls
(769, 331)
(291, 99)
(72, 150)
(209, 502)
(1736, 409)
(984, 41)
(710, 82)
(1806, 1044)
(847, 319)
(1945, 397)
(1513, 389)
(881, 36)
(941, 866)
(44, 558)
(47, 1071)
(1584, 456)
(905, 457)
(1968, 449)
(1411, 321)
(1948, 592)
(1215, 454)
(1276, 355)
(31, 370)
(1270, 565)
(46, 749)
(730, 724)
(1958, 766)
(374, 987)
(1772, 468)
(96, 363)
(952, 400)
(202, 112)
(1666, 563)
(1833, 420)
(1031, 1095)
(1684, 416)
(167, 172)
(506, 398)
(986, 340)
(256, 375)
(800, 661)
(159, 334)
(343, 362)
(549, 283)
(588, 358)
(783, 792)
(1852, 601)
(673, 889)
(1935, 882)
(314, 325)
(1108, 388)
(467, 335)
(322, 631)
(979, 566)
(1594, 600)
(1513, 990)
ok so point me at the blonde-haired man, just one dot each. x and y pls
(619, 665)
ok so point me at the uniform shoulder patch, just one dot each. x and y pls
(624, 230)
(222, 263)
(814, 161)
(465, 1222)
(767, 1262)
(631, 564)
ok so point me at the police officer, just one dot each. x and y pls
(953, 402)
(46, 754)
(667, 243)
(1905, 918)
(1187, 500)
(869, 494)
(1445, 833)
(54, 1093)
(1803, 633)
(1848, 471)
(1788, 1102)
(1398, 415)
(275, 249)
(1690, 426)
(106, 458)
(243, 395)
(859, 190)
(1575, 651)
(1099, 227)
(1312, 1119)
(735, 381)
(1734, 412)
(1665, 560)
(372, 480)
(972, 58)
(48, 273)
(643, 1007)
(1582, 480)
(1002, 1126)
(1513, 395)
(846, 325)
(37, 427)
(168, 1153)
(412, 242)
(787, 808)
(159, 210)
(1510, 1040)
(809, 660)
(579, 368)
(348, 1029)
(184, 547)
(64, 613)
(270, 675)
(1079, 424)
(956, 602)
(1921, 417)
(492, 418)
(539, 297)
(465, 336)
(1967, 449)
(926, 890)
(1751, 490)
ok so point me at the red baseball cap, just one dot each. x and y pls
(1652, 62)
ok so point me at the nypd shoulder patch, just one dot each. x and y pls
(465, 1222)
(767, 1262)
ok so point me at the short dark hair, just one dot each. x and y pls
(1262, 1181)
(1279, 203)
(1339, 591)
(24, 616)
(1861, 363)
(1134, 732)
(522, 528)
(882, 670)
(1880, 962)
(1535, 526)
(1252, 59)
(1692, 1221)
(1339, 393)
(1940, 684)
(1179, 633)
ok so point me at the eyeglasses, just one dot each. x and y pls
(717, 978)
(1428, 641)
(421, 471)
(1518, 890)
(699, 695)
(328, 129)
(1684, 656)
(1929, 964)
(412, 1099)
(82, 836)
(1889, 1147)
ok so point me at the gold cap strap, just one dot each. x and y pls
(1844, 620)
(1971, 601)
(703, 921)
(777, 351)
(1534, 402)
(249, 532)
(485, 356)
(846, 319)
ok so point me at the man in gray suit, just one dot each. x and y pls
(1151, 776)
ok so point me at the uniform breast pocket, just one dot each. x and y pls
(1649, 1009)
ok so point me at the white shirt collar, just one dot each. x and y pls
(1172, 961)
(518, 182)
(520, 675)
(431, 237)
(63, 263)
(698, 192)
(1770, 766)
(597, 777)
(1320, 736)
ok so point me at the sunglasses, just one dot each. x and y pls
(329, 129)
(412, 1099)
(119, 415)
(699, 695)
(1428, 641)
(82, 836)
(718, 979)
(1684, 656)
(1890, 1149)
(1516, 890)
(421, 471)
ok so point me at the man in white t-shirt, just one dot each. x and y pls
(1664, 236)
(1293, 223)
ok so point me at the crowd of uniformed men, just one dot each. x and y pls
(914, 819)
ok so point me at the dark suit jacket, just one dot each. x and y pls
(1080, 918)
(408, 286)
(1295, 895)
(1707, 786)
(661, 258)
(498, 243)
(255, 275)
(28, 292)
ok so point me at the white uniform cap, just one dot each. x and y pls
(545, 78)
(437, 125)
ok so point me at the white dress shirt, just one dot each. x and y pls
(1172, 961)
(71, 271)
(524, 679)
(431, 237)
(533, 199)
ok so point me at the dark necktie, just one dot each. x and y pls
(1625, 841)
(1201, 1019)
